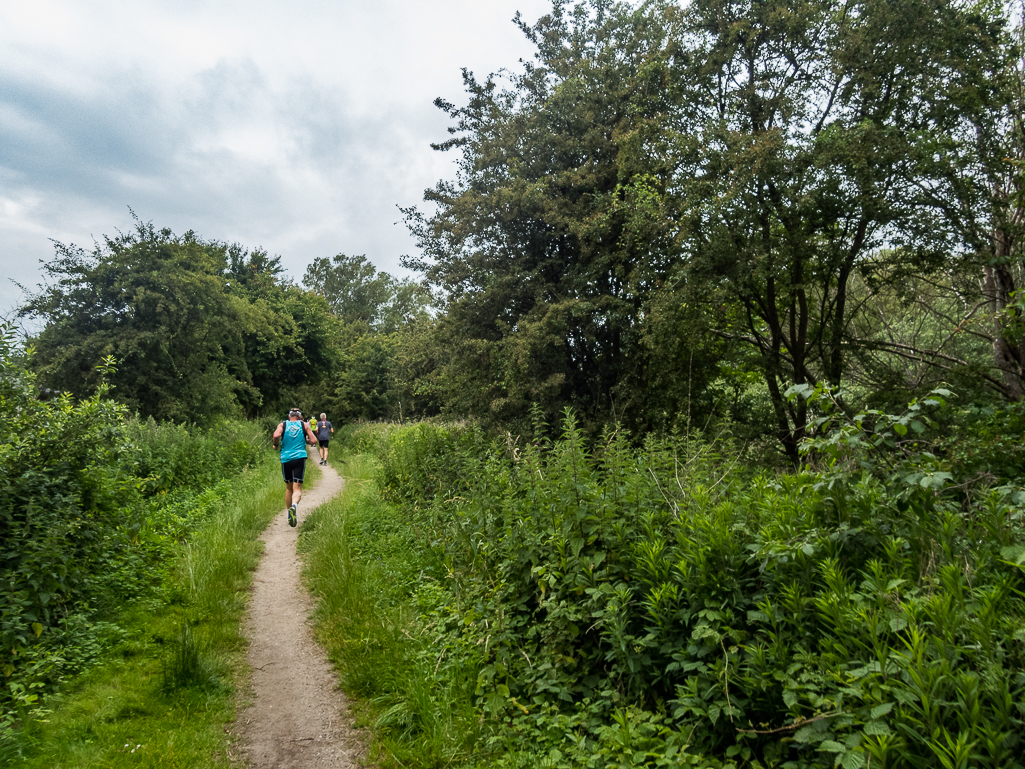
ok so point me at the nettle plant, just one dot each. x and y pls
(639, 605)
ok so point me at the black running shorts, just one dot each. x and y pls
(293, 470)
(323, 444)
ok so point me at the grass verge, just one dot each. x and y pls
(166, 690)
(365, 566)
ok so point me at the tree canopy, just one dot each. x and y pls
(198, 328)
(737, 162)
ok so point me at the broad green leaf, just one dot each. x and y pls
(934, 481)
(1015, 554)
(803, 390)
(877, 728)
(882, 710)
(831, 746)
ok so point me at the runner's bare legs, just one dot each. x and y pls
(293, 493)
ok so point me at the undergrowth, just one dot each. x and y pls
(97, 510)
(163, 680)
(565, 605)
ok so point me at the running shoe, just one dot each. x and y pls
(291, 516)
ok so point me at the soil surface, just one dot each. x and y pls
(298, 717)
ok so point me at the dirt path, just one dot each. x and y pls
(298, 718)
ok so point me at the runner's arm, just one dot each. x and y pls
(277, 435)
(310, 437)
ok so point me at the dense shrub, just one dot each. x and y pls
(92, 503)
(627, 606)
(167, 456)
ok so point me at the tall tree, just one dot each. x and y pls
(199, 329)
(816, 127)
(552, 238)
(358, 293)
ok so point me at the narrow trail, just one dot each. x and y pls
(298, 717)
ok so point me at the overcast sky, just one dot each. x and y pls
(294, 126)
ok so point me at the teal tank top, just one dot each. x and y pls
(293, 441)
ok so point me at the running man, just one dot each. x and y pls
(324, 433)
(293, 436)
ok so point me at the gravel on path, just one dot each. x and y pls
(298, 717)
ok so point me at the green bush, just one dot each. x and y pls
(93, 504)
(626, 606)
(64, 485)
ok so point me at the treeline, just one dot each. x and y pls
(672, 214)
(687, 208)
(201, 330)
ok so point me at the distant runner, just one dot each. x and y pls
(293, 436)
(324, 432)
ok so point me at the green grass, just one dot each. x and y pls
(364, 566)
(165, 695)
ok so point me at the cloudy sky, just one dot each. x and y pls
(295, 126)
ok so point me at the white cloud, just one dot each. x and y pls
(294, 126)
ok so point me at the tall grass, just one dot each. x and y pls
(558, 604)
(366, 567)
(165, 688)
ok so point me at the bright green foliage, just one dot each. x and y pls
(668, 184)
(365, 380)
(92, 507)
(628, 607)
(162, 687)
(198, 329)
(63, 486)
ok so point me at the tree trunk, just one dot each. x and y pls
(1008, 345)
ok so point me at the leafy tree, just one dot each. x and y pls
(814, 125)
(383, 358)
(1001, 253)
(552, 239)
(381, 375)
(198, 328)
(971, 192)
(744, 157)
(357, 292)
(364, 378)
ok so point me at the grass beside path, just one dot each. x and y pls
(365, 568)
(166, 692)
